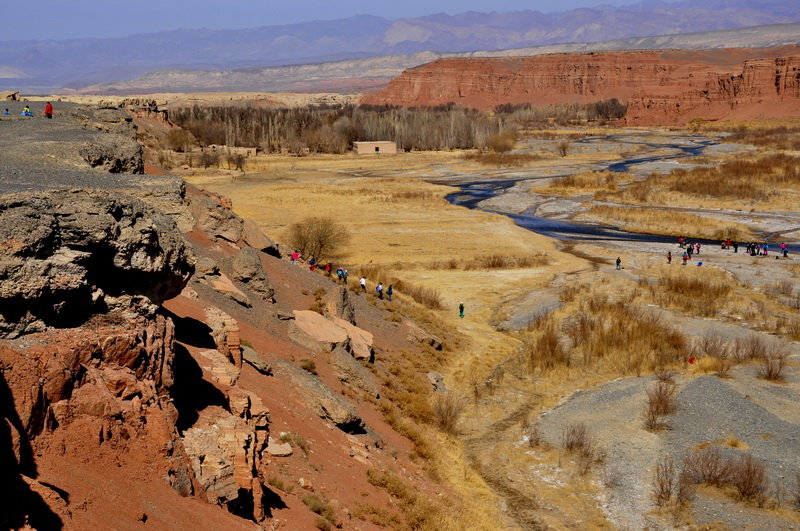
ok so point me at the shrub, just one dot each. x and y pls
(576, 440)
(664, 482)
(773, 365)
(209, 158)
(502, 142)
(179, 140)
(534, 434)
(748, 476)
(660, 402)
(308, 365)
(708, 466)
(322, 238)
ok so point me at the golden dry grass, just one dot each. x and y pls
(765, 181)
(586, 183)
(655, 221)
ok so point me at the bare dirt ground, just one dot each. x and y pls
(401, 221)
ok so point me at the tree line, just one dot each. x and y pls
(333, 129)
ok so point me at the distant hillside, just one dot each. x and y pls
(80, 62)
(360, 75)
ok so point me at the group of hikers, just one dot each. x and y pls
(752, 248)
(342, 274)
(27, 112)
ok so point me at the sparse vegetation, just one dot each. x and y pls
(319, 506)
(746, 474)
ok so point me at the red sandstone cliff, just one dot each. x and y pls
(661, 87)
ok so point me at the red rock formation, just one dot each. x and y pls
(660, 86)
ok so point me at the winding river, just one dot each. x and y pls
(472, 194)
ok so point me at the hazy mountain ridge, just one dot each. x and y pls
(373, 72)
(57, 63)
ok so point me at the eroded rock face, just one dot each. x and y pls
(114, 154)
(661, 87)
(67, 255)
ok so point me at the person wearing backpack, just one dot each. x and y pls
(379, 289)
(389, 293)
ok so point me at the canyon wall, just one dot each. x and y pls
(660, 87)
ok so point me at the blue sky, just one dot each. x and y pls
(58, 19)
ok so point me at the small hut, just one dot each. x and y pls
(382, 147)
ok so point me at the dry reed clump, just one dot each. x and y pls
(428, 297)
(546, 351)
(631, 339)
(661, 401)
(746, 474)
(699, 295)
(502, 160)
(447, 409)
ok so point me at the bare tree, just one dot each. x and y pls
(322, 238)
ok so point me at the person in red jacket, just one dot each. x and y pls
(48, 110)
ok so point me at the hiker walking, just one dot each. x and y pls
(461, 309)
(48, 111)
(340, 274)
(389, 293)
(681, 241)
(363, 282)
(328, 269)
(785, 250)
(379, 289)
(735, 247)
(697, 248)
(669, 257)
(344, 276)
(689, 250)
(294, 257)
(619, 263)
(685, 258)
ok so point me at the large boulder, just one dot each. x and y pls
(66, 255)
(322, 400)
(215, 219)
(247, 269)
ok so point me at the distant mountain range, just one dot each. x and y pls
(366, 74)
(76, 63)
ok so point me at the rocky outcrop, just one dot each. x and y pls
(316, 332)
(67, 255)
(338, 303)
(225, 451)
(660, 86)
(114, 155)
